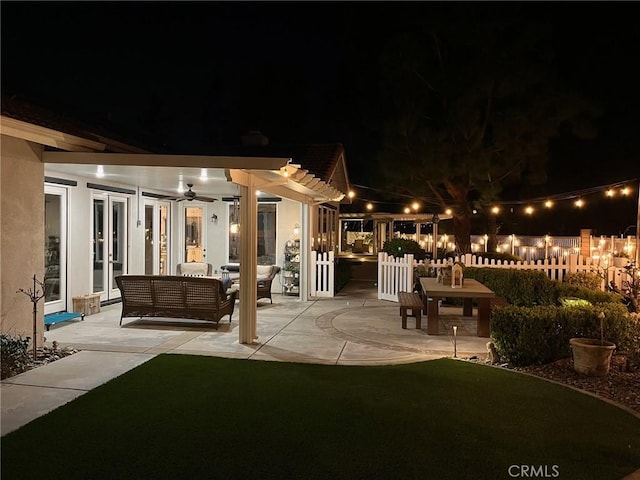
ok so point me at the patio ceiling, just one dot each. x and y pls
(162, 173)
(163, 180)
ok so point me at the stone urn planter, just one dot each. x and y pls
(591, 356)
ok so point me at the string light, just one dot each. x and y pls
(577, 198)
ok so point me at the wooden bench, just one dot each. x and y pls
(410, 301)
(200, 298)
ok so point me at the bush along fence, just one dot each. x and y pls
(397, 274)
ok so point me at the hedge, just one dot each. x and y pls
(537, 335)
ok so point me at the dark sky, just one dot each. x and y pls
(193, 75)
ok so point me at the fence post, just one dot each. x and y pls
(313, 257)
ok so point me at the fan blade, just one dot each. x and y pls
(205, 199)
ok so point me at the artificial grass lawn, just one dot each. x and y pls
(195, 417)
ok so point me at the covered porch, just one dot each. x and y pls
(104, 191)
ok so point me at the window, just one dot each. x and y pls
(266, 234)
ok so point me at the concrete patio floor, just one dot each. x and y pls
(353, 328)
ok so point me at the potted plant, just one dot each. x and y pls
(592, 356)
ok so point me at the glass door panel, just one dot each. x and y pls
(109, 243)
(98, 244)
(118, 250)
(164, 239)
(148, 238)
(194, 235)
(55, 228)
(156, 237)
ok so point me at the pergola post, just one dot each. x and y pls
(248, 261)
(305, 250)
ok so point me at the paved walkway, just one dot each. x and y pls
(353, 328)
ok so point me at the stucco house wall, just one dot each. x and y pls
(21, 234)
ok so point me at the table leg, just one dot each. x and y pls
(433, 316)
(467, 307)
(484, 317)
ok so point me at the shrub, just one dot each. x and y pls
(528, 335)
(518, 287)
(422, 270)
(583, 279)
(398, 247)
(574, 302)
(631, 344)
(537, 335)
(14, 356)
(565, 290)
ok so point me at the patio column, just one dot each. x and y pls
(248, 260)
(305, 250)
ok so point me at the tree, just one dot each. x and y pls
(470, 105)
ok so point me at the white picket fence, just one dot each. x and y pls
(396, 274)
(322, 274)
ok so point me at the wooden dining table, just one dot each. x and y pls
(433, 292)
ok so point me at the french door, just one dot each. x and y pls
(156, 237)
(55, 253)
(194, 233)
(109, 242)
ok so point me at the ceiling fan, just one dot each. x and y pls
(190, 195)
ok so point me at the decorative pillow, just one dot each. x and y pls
(194, 269)
(263, 271)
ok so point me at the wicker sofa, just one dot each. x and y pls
(172, 296)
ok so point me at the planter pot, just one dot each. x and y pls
(590, 357)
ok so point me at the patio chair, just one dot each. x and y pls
(358, 246)
(264, 278)
(266, 274)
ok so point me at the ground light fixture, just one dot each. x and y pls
(455, 341)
